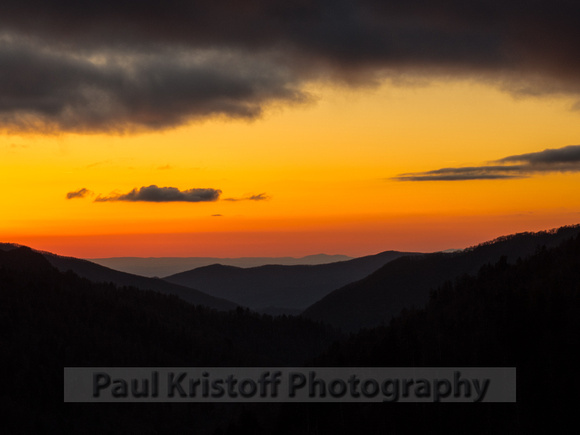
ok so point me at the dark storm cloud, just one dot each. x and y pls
(42, 89)
(164, 194)
(265, 51)
(566, 159)
(81, 193)
(344, 31)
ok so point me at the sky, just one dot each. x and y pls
(265, 128)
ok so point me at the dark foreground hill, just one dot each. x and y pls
(407, 281)
(524, 315)
(97, 273)
(274, 286)
(50, 320)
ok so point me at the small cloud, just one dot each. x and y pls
(259, 197)
(82, 193)
(164, 167)
(566, 159)
(164, 194)
(216, 215)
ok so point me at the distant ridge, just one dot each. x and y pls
(97, 273)
(406, 282)
(273, 288)
(165, 266)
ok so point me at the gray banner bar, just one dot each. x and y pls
(283, 384)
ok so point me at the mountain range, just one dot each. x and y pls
(273, 287)
(350, 295)
(518, 310)
(165, 266)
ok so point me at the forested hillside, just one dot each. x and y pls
(50, 320)
(524, 315)
(406, 282)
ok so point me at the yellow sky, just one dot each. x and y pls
(326, 167)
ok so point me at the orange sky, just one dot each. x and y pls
(325, 167)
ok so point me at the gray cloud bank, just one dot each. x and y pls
(566, 159)
(164, 194)
(47, 90)
(103, 65)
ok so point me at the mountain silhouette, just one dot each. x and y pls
(165, 266)
(275, 288)
(97, 273)
(407, 281)
(520, 310)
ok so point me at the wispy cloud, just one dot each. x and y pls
(164, 194)
(81, 193)
(259, 197)
(566, 159)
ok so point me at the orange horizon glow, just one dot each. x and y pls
(327, 170)
(411, 235)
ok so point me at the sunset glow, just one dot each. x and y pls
(312, 174)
